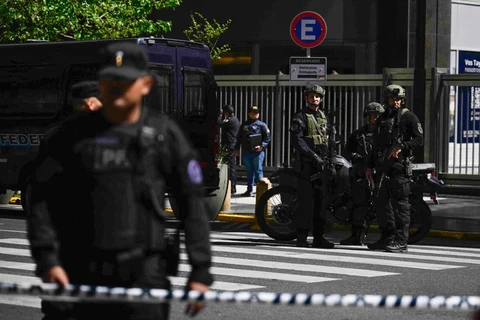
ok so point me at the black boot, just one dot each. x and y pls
(302, 235)
(321, 242)
(356, 239)
(381, 243)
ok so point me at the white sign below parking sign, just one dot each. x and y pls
(308, 68)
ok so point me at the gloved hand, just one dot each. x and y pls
(356, 156)
(319, 162)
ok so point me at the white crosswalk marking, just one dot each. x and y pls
(250, 261)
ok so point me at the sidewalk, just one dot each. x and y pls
(453, 217)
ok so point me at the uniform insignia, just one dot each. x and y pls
(194, 172)
(119, 58)
(420, 128)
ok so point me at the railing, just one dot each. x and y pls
(449, 98)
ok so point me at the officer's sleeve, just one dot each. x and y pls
(350, 146)
(41, 232)
(266, 135)
(296, 136)
(414, 128)
(187, 184)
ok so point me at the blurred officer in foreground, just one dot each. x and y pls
(254, 137)
(85, 96)
(230, 126)
(357, 150)
(397, 134)
(310, 138)
(104, 225)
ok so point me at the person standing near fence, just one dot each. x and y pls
(310, 139)
(357, 150)
(230, 125)
(397, 134)
(96, 216)
(253, 137)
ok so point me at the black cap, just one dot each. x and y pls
(253, 109)
(123, 61)
(83, 90)
(228, 108)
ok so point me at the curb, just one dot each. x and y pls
(250, 219)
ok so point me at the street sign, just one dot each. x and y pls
(308, 29)
(308, 68)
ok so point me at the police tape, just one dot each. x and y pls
(84, 293)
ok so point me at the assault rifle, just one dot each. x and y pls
(388, 163)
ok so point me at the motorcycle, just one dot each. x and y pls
(275, 208)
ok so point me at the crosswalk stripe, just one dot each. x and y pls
(15, 252)
(217, 285)
(366, 252)
(335, 258)
(445, 252)
(297, 267)
(17, 265)
(18, 241)
(32, 302)
(255, 274)
(444, 247)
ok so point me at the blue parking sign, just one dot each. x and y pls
(308, 29)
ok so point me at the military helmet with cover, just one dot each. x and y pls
(373, 107)
(314, 89)
(394, 91)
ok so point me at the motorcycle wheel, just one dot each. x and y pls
(274, 212)
(420, 220)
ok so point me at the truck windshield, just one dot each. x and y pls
(30, 91)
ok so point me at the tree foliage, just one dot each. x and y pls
(201, 30)
(56, 20)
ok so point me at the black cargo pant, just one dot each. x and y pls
(231, 160)
(310, 213)
(393, 207)
(145, 273)
(360, 198)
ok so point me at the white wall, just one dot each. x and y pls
(465, 34)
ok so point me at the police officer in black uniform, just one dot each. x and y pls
(230, 126)
(397, 134)
(310, 138)
(357, 150)
(95, 215)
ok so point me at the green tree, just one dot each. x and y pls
(56, 20)
(208, 33)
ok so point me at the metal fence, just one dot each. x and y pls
(449, 99)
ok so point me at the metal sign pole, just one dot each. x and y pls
(308, 52)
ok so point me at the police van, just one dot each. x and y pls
(35, 78)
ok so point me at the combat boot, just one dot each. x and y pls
(356, 239)
(302, 235)
(381, 243)
(396, 246)
(321, 242)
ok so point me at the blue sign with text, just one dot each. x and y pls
(468, 100)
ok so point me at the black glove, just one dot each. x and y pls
(356, 156)
(317, 160)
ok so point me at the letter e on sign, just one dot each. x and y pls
(308, 29)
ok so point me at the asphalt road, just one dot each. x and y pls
(246, 260)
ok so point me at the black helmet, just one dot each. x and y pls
(373, 107)
(316, 89)
(394, 91)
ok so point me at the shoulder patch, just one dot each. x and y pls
(419, 128)
(194, 172)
